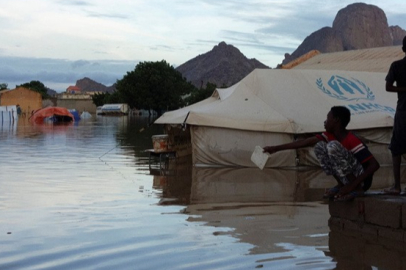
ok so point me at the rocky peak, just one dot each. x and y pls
(362, 26)
(88, 85)
(223, 49)
(357, 26)
(224, 65)
(397, 34)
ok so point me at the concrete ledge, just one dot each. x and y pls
(373, 216)
(386, 212)
(362, 229)
(404, 216)
(353, 250)
(348, 210)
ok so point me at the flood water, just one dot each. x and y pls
(84, 196)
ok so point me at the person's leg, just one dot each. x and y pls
(321, 152)
(344, 163)
(347, 168)
(397, 147)
(396, 160)
(336, 160)
(395, 189)
(322, 156)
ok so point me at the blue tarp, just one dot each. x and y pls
(75, 114)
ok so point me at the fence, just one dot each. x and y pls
(8, 114)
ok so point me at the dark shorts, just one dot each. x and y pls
(398, 142)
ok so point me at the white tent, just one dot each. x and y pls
(272, 106)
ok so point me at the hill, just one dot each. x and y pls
(357, 26)
(89, 85)
(224, 65)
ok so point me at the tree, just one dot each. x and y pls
(154, 86)
(200, 94)
(38, 87)
(3, 86)
(115, 97)
(99, 99)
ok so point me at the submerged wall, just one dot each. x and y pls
(77, 102)
(375, 216)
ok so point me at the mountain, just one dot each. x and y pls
(357, 26)
(88, 85)
(224, 65)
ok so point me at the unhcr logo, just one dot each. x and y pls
(345, 89)
(353, 90)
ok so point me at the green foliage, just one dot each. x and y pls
(99, 99)
(3, 86)
(106, 98)
(154, 86)
(115, 97)
(200, 94)
(38, 87)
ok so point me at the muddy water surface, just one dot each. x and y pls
(83, 196)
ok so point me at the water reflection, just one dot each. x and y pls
(8, 127)
(137, 133)
(352, 251)
(249, 185)
(278, 212)
(83, 196)
(219, 185)
(175, 181)
(267, 209)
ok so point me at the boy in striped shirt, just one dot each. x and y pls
(341, 154)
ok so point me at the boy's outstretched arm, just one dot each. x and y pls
(293, 145)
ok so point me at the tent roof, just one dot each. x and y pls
(292, 101)
(180, 116)
(372, 60)
(40, 114)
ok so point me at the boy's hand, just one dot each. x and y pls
(269, 149)
(352, 185)
(345, 190)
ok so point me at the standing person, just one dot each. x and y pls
(341, 154)
(397, 146)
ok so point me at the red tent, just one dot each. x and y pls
(60, 115)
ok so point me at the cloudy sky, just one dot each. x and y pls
(60, 41)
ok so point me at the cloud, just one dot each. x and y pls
(61, 72)
(85, 31)
(241, 36)
(80, 63)
(106, 15)
(89, 9)
(162, 48)
(74, 3)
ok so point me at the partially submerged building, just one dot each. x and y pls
(28, 99)
(79, 101)
(114, 109)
